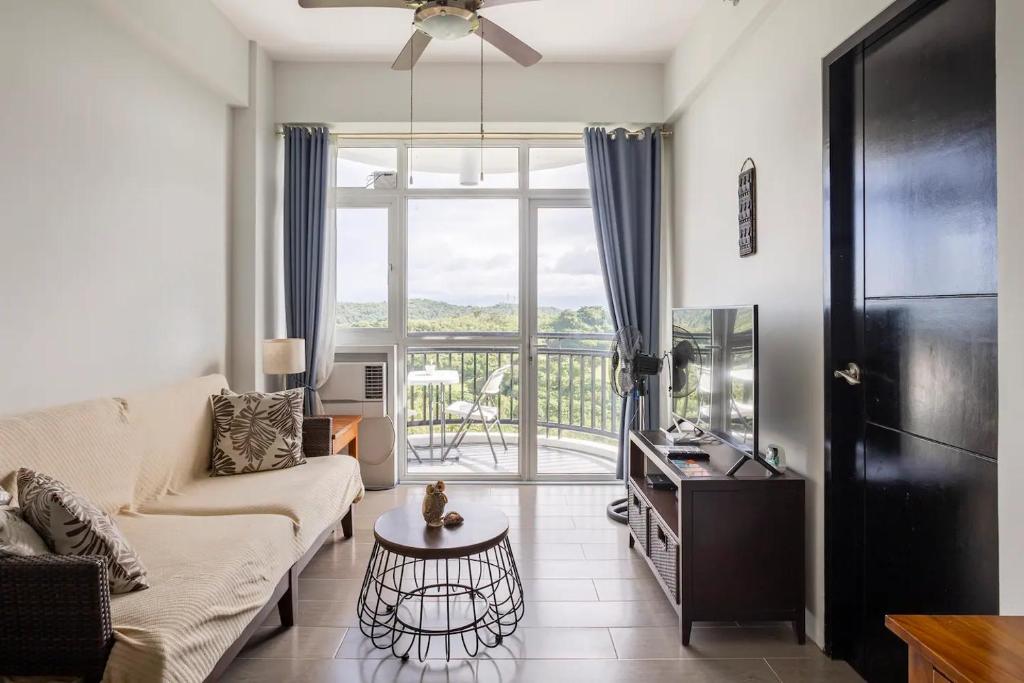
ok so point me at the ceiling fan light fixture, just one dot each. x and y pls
(446, 22)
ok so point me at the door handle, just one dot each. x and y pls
(851, 374)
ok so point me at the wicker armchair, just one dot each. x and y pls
(316, 436)
(54, 616)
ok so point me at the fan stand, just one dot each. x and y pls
(617, 509)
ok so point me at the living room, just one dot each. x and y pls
(693, 307)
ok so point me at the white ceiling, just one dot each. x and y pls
(562, 30)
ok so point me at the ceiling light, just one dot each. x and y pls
(446, 23)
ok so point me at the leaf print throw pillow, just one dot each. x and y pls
(71, 525)
(256, 431)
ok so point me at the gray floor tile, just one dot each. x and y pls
(713, 643)
(297, 642)
(594, 613)
(622, 671)
(813, 670)
(600, 614)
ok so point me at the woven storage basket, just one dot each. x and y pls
(638, 516)
(664, 552)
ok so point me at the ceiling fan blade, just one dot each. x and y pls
(398, 4)
(412, 51)
(507, 43)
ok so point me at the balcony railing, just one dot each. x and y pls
(574, 391)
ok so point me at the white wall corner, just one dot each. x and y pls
(254, 190)
(192, 34)
(716, 29)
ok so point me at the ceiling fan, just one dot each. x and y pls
(444, 20)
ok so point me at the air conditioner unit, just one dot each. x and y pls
(361, 388)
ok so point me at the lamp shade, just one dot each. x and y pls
(284, 356)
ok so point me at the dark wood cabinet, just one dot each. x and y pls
(723, 548)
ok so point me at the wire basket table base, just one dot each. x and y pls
(408, 603)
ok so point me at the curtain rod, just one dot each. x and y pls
(665, 132)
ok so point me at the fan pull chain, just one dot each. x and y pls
(481, 30)
(412, 64)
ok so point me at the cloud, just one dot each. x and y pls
(579, 262)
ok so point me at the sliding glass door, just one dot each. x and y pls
(575, 410)
(463, 323)
(480, 266)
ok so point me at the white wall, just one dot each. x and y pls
(255, 248)
(347, 92)
(753, 88)
(113, 210)
(1010, 136)
(192, 34)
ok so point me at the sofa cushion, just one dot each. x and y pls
(17, 537)
(172, 430)
(312, 497)
(209, 577)
(85, 445)
(71, 525)
(256, 431)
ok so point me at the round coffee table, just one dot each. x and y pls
(426, 583)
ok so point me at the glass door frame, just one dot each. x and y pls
(567, 199)
(409, 341)
(397, 335)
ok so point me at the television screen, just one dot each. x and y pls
(714, 368)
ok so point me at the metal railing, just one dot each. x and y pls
(573, 383)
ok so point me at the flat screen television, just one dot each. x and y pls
(714, 383)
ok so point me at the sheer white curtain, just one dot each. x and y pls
(329, 303)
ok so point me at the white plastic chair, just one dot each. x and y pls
(480, 410)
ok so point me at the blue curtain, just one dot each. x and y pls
(625, 187)
(305, 260)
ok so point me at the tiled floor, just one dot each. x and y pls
(593, 614)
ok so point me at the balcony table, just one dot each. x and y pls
(439, 379)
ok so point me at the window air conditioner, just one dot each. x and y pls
(361, 388)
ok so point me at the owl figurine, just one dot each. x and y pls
(433, 504)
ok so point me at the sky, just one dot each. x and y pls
(465, 251)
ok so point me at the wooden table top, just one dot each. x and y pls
(966, 648)
(403, 531)
(340, 423)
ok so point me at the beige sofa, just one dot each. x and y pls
(220, 552)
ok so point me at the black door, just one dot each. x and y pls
(911, 481)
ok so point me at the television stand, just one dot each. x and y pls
(722, 548)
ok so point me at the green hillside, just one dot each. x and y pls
(429, 315)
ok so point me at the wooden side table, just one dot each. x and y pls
(345, 432)
(962, 649)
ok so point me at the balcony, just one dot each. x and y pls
(577, 411)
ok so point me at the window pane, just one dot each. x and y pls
(448, 167)
(463, 272)
(363, 166)
(571, 296)
(558, 168)
(577, 411)
(363, 267)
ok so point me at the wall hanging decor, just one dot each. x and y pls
(748, 208)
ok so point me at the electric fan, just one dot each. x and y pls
(630, 369)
